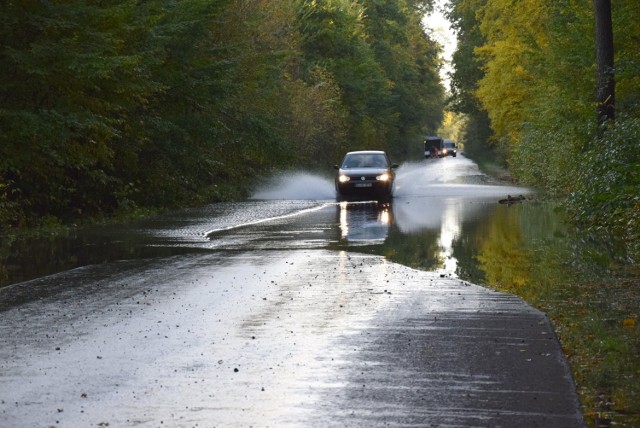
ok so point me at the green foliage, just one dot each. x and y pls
(317, 118)
(68, 82)
(333, 39)
(627, 40)
(607, 197)
(515, 35)
(477, 134)
(383, 63)
(467, 70)
(410, 63)
(559, 111)
(113, 106)
(529, 67)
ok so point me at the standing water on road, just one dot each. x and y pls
(446, 217)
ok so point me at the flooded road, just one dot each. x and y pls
(287, 310)
(433, 201)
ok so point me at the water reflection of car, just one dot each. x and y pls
(364, 223)
(365, 175)
(449, 148)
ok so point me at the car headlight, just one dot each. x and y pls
(383, 177)
(343, 178)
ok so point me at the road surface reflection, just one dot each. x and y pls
(364, 222)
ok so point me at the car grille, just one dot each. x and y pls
(356, 178)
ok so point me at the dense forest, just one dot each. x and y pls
(526, 81)
(119, 105)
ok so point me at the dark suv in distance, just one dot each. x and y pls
(365, 175)
(449, 148)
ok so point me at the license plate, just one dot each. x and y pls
(363, 185)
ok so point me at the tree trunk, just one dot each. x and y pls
(606, 85)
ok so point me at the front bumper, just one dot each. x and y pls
(364, 189)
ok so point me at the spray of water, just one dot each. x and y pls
(449, 177)
(296, 186)
(437, 177)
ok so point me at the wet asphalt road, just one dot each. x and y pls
(271, 328)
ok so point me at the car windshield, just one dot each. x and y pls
(365, 160)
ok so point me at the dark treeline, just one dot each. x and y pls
(525, 77)
(111, 106)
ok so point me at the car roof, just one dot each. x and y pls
(367, 152)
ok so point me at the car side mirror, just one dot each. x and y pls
(336, 167)
(394, 165)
